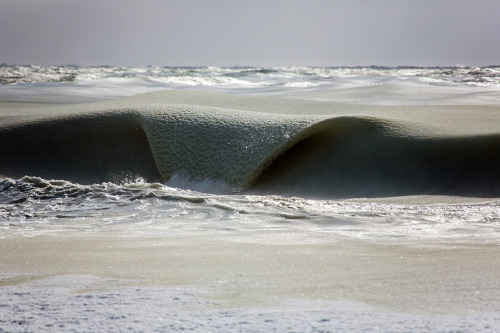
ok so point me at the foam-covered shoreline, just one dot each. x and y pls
(72, 278)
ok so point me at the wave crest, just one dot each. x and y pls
(348, 156)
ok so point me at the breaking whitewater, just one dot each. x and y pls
(249, 199)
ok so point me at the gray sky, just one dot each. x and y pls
(250, 32)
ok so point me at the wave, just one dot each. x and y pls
(15, 74)
(312, 156)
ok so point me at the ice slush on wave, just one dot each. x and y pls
(336, 156)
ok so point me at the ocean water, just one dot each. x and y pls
(293, 156)
(317, 166)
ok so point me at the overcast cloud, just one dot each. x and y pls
(250, 32)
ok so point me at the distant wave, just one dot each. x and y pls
(254, 76)
(314, 156)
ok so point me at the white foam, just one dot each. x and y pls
(185, 182)
(86, 303)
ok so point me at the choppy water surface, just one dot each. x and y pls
(36, 206)
(247, 76)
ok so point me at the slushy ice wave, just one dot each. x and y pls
(325, 158)
(211, 169)
(314, 156)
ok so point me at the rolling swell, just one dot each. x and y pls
(318, 156)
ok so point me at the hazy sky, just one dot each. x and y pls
(250, 32)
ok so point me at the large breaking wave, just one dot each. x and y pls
(314, 156)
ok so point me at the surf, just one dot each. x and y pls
(266, 153)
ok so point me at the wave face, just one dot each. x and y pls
(312, 156)
(87, 149)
